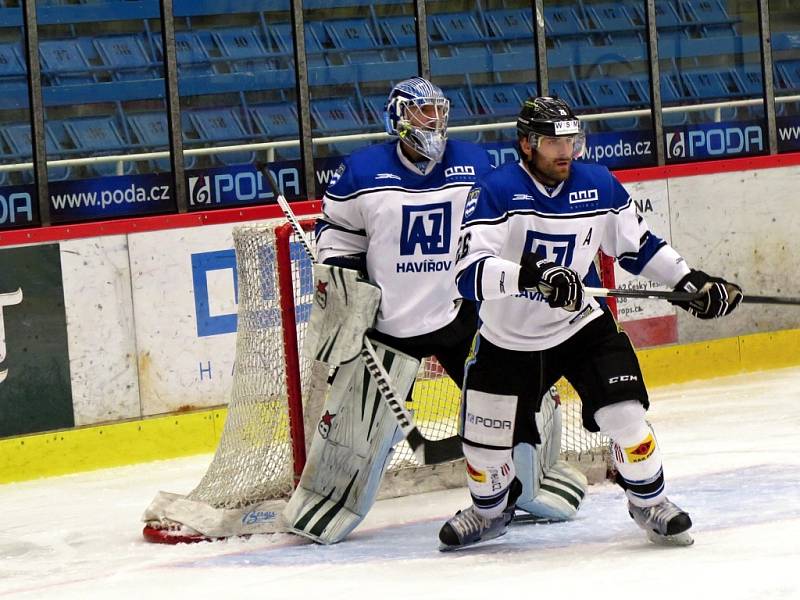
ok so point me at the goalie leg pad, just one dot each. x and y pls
(350, 450)
(551, 489)
(635, 452)
(344, 308)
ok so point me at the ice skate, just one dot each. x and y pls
(664, 523)
(467, 528)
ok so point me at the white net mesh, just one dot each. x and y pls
(254, 459)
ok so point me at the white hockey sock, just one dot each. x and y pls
(634, 450)
(489, 477)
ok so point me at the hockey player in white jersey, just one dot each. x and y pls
(530, 234)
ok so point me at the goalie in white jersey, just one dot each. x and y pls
(530, 234)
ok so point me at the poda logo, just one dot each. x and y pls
(488, 422)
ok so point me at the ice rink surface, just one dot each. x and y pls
(731, 451)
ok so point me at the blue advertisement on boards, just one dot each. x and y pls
(705, 141)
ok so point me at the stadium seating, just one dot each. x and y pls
(152, 132)
(191, 54)
(222, 127)
(126, 57)
(510, 24)
(242, 47)
(12, 67)
(500, 101)
(18, 138)
(94, 136)
(65, 62)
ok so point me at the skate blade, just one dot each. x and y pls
(523, 518)
(679, 539)
(446, 548)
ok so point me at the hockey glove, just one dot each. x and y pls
(560, 285)
(719, 297)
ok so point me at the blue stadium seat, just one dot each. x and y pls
(12, 67)
(512, 23)
(400, 31)
(222, 127)
(789, 71)
(375, 104)
(708, 84)
(569, 92)
(152, 131)
(666, 17)
(276, 120)
(456, 28)
(242, 47)
(499, 100)
(18, 138)
(563, 21)
(669, 95)
(751, 79)
(335, 115)
(281, 34)
(707, 12)
(192, 56)
(460, 109)
(126, 57)
(350, 34)
(605, 93)
(65, 62)
(612, 18)
(96, 136)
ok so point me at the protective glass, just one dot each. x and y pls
(423, 125)
(554, 145)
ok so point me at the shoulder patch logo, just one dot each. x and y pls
(472, 202)
(337, 175)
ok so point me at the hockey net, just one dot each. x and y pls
(276, 403)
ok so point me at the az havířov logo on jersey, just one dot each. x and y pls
(381, 176)
(426, 227)
(426, 230)
(584, 196)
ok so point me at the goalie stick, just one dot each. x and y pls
(426, 451)
(682, 296)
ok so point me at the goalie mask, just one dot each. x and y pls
(546, 121)
(417, 112)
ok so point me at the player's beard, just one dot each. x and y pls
(549, 171)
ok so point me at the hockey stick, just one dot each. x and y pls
(683, 296)
(426, 451)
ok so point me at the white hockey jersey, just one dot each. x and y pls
(509, 213)
(407, 222)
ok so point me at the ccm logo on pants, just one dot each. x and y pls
(622, 378)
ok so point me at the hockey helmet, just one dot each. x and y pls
(550, 117)
(417, 112)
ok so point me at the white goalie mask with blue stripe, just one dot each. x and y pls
(417, 112)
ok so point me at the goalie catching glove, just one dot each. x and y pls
(560, 285)
(719, 297)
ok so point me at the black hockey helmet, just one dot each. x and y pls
(549, 117)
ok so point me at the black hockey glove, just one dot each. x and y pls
(560, 285)
(719, 297)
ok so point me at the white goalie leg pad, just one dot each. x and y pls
(635, 451)
(350, 450)
(551, 488)
(344, 308)
(488, 432)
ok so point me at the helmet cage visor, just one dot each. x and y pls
(422, 124)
